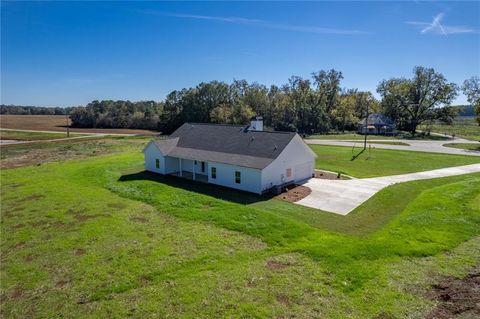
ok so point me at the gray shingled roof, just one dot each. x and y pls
(377, 119)
(229, 144)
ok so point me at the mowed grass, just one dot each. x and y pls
(32, 136)
(380, 162)
(100, 238)
(465, 146)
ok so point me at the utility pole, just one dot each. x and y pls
(366, 130)
(68, 128)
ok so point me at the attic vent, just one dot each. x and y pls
(252, 138)
(275, 148)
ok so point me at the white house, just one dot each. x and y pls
(245, 158)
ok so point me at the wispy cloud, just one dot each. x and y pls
(437, 27)
(261, 23)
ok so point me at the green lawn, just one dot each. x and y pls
(465, 146)
(379, 162)
(32, 136)
(97, 237)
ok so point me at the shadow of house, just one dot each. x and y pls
(377, 124)
(216, 191)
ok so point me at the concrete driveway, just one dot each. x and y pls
(343, 196)
(414, 145)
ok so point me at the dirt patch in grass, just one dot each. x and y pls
(327, 175)
(118, 205)
(139, 219)
(274, 265)
(283, 299)
(456, 297)
(33, 197)
(29, 258)
(17, 293)
(61, 283)
(295, 194)
(80, 252)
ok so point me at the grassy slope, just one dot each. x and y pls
(380, 162)
(96, 238)
(31, 136)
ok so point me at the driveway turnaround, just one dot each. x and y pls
(343, 196)
(414, 145)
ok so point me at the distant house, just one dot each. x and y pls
(245, 158)
(377, 124)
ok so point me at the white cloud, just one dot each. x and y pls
(262, 24)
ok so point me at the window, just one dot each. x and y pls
(237, 177)
(203, 167)
(214, 172)
(289, 172)
(195, 162)
(157, 163)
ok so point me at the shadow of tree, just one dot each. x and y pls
(216, 191)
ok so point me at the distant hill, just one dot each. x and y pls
(465, 110)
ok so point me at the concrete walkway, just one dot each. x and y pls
(343, 196)
(414, 145)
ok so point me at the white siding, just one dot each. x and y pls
(298, 157)
(152, 153)
(250, 181)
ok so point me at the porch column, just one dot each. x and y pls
(193, 169)
(180, 165)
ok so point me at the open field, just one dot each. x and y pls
(98, 237)
(57, 123)
(465, 127)
(465, 146)
(380, 162)
(32, 136)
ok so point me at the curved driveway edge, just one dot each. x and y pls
(414, 145)
(343, 196)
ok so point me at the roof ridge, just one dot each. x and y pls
(240, 126)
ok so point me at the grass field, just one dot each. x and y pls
(98, 237)
(57, 123)
(32, 136)
(465, 146)
(465, 127)
(380, 162)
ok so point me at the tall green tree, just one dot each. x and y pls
(416, 100)
(471, 88)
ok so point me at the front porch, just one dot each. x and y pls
(189, 175)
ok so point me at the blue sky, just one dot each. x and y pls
(69, 53)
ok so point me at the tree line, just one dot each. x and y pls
(317, 104)
(33, 110)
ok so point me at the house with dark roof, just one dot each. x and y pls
(377, 124)
(246, 158)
